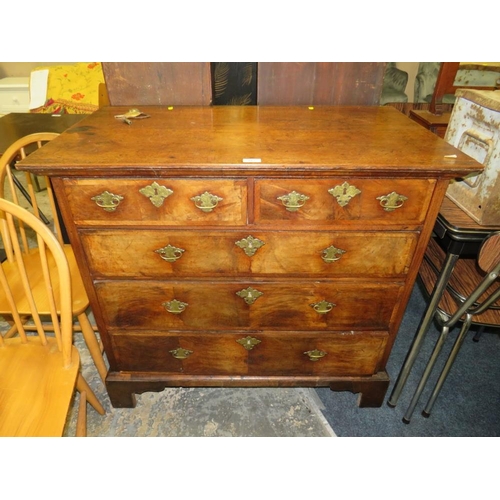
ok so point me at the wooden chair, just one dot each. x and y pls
(9, 189)
(38, 373)
(472, 297)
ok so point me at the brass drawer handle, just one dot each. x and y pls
(322, 307)
(175, 306)
(156, 193)
(332, 254)
(170, 253)
(392, 201)
(293, 201)
(206, 201)
(343, 193)
(249, 245)
(180, 353)
(248, 342)
(249, 295)
(315, 354)
(108, 201)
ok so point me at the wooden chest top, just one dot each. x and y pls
(242, 140)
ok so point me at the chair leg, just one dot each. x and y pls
(447, 367)
(81, 423)
(478, 334)
(437, 293)
(83, 386)
(93, 345)
(425, 376)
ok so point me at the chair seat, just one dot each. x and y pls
(35, 389)
(464, 279)
(32, 262)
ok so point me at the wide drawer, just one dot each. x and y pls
(325, 201)
(218, 306)
(170, 202)
(163, 253)
(339, 354)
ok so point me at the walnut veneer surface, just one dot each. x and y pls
(249, 246)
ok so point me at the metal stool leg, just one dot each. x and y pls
(437, 293)
(449, 363)
(425, 376)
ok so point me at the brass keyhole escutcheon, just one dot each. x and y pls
(249, 295)
(323, 307)
(249, 342)
(175, 306)
(108, 201)
(293, 200)
(180, 353)
(392, 201)
(343, 193)
(170, 253)
(332, 254)
(250, 245)
(206, 201)
(315, 354)
(156, 193)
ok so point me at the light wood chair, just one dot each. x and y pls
(10, 186)
(472, 298)
(38, 373)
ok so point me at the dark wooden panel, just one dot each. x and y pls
(158, 83)
(346, 83)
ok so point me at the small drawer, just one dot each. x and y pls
(258, 354)
(169, 202)
(166, 253)
(335, 201)
(218, 306)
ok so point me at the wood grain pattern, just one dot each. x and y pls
(350, 353)
(157, 83)
(341, 84)
(253, 156)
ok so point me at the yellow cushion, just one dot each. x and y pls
(72, 88)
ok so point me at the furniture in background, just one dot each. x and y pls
(328, 83)
(71, 88)
(16, 125)
(474, 130)
(442, 99)
(9, 190)
(237, 244)
(234, 83)
(394, 85)
(158, 83)
(38, 373)
(471, 297)
(460, 237)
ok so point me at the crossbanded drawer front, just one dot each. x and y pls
(165, 253)
(325, 201)
(340, 354)
(218, 306)
(170, 202)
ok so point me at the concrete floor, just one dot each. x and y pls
(210, 412)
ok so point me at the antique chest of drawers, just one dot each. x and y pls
(249, 246)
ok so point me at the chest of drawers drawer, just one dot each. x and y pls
(218, 306)
(165, 253)
(166, 202)
(323, 201)
(176, 202)
(272, 354)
